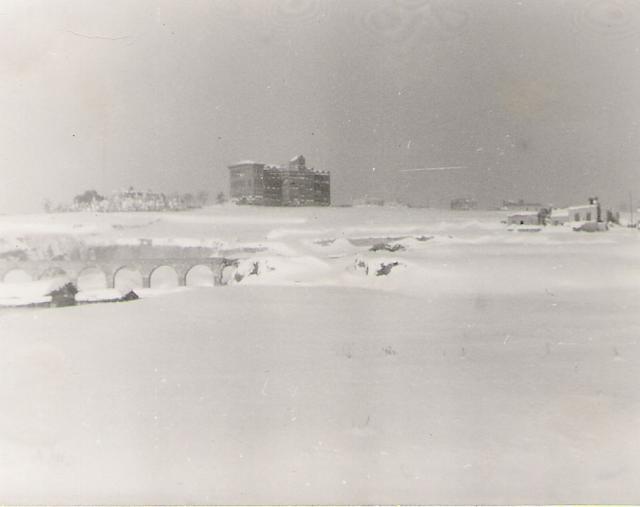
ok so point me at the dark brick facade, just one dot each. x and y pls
(267, 185)
(247, 182)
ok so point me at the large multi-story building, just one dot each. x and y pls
(246, 181)
(271, 185)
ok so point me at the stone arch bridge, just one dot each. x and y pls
(39, 269)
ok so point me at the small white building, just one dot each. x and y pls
(583, 213)
(586, 213)
(558, 216)
(524, 218)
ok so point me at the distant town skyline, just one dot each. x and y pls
(532, 99)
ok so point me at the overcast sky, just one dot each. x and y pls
(536, 99)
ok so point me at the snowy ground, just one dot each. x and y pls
(486, 366)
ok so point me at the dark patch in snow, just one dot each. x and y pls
(64, 296)
(130, 296)
(373, 241)
(389, 351)
(360, 264)
(385, 269)
(324, 242)
(387, 247)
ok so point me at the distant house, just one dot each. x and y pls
(131, 200)
(136, 200)
(524, 218)
(272, 185)
(585, 213)
(590, 212)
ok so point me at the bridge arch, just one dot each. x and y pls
(199, 275)
(164, 275)
(227, 273)
(54, 272)
(17, 275)
(92, 277)
(128, 277)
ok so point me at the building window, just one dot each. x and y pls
(589, 217)
(576, 217)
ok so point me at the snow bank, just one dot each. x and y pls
(35, 289)
(435, 249)
(478, 358)
(91, 296)
(332, 395)
(272, 270)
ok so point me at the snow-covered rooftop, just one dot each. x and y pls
(523, 213)
(244, 162)
(582, 206)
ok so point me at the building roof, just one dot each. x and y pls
(582, 206)
(523, 213)
(246, 162)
